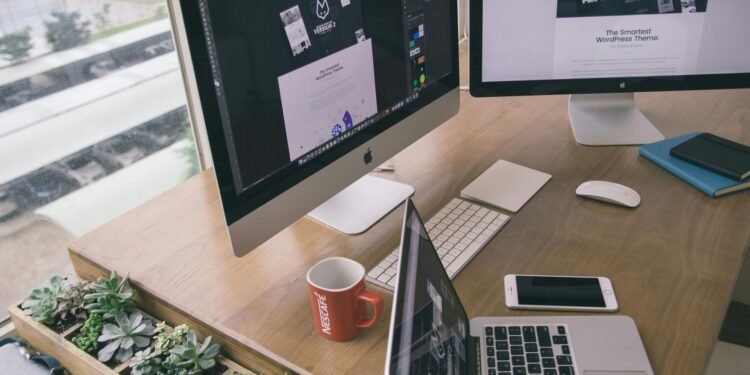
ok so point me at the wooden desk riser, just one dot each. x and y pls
(673, 261)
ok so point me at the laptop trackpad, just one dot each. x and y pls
(614, 373)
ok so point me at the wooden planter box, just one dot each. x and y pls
(75, 360)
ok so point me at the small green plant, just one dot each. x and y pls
(16, 46)
(193, 356)
(109, 297)
(66, 30)
(130, 332)
(88, 336)
(42, 302)
(71, 304)
(167, 339)
(168, 367)
(146, 362)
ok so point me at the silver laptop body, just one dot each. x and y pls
(428, 329)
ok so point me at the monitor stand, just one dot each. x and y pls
(610, 120)
(362, 204)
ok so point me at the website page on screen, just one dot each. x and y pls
(296, 77)
(570, 39)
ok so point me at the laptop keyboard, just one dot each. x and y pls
(458, 232)
(522, 350)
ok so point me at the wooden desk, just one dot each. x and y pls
(673, 260)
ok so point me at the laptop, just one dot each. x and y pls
(431, 334)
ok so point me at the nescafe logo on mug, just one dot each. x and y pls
(325, 320)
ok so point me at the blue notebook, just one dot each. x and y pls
(713, 184)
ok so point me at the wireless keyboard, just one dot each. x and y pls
(458, 232)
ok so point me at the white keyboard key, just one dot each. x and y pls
(482, 225)
(391, 258)
(449, 232)
(454, 252)
(376, 272)
(442, 237)
(442, 252)
(437, 244)
(483, 211)
(392, 282)
(494, 227)
(482, 238)
(488, 232)
(460, 246)
(390, 272)
(490, 216)
(465, 256)
(448, 259)
(384, 278)
(471, 235)
(476, 230)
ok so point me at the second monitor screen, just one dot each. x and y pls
(293, 75)
(528, 40)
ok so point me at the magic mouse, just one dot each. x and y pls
(609, 192)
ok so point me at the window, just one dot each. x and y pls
(92, 123)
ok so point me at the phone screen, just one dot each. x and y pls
(559, 291)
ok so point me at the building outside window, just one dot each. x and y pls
(92, 123)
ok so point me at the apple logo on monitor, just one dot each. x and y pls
(623, 85)
(368, 156)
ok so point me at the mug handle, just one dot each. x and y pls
(377, 304)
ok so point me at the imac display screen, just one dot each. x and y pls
(295, 80)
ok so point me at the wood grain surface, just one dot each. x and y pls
(673, 261)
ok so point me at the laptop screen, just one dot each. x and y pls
(430, 329)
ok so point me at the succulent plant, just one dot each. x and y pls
(146, 362)
(167, 339)
(129, 333)
(168, 367)
(193, 356)
(87, 338)
(42, 302)
(71, 304)
(109, 297)
(44, 311)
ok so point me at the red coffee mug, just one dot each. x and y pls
(339, 299)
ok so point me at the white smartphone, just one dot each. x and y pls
(568, 293)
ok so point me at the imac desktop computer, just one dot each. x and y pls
(301, 99)
(603, 51)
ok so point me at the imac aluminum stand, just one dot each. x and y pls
(610, 120)
(362, 204)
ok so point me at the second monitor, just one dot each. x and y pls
(610, 48)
